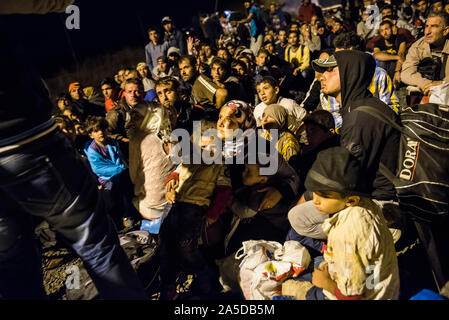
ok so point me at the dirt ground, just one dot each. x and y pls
(415, 275)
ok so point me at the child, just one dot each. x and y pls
(268, 91)
(190, 188)
(107, 162)
(360, 259)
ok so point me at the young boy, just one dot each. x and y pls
(359, 260)
(268, 91)
(108, 164)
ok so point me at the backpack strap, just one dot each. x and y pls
(376, 113)
(380, 116)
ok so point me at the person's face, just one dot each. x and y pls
(305, 29)
(272, 8)
(99, 136)
(217, 73)
(437, 7)
(435, 31)
(313, 20)
(337, 26)
(239, 70)
(154, 36)
(320, 31)
(162, 65)
(133, 94)
(75, 93)
(227, 123)
(294, 27)
(282, 36)
(168, 26)
(167, 95)
(246, 61)
(365, 16)
(223, 54)
(293, 39)
(231, 50)
(267, 94)
(79, 130)
(107, 91)
(251, 175)
(385, 31)
(207, 51)
(330, 82)
(446, 8)
(121, 75)
(132, 74)
(247, 4)
(187, 71)
(316, 135)
(268, 37)
(328, 202)
(143, 71)
(262, 59)
(269, 47)
(406, 17)
(62, 104)
(386, 12)
(422, 6)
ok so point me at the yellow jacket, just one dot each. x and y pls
(300, 59)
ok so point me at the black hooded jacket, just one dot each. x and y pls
(369, 139)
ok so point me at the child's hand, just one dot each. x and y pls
(322, 279)
(271, 199)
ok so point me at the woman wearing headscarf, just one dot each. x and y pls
(275, 117)
(260, 200)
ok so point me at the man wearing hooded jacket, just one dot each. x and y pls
(346, 76)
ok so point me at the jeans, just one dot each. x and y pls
(314, 246)
(307, 220)
(48, 179)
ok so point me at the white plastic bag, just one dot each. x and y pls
(266, 264)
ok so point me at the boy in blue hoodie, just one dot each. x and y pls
(108, 164)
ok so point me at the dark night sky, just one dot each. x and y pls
(105, 25)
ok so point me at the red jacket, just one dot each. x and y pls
(305, 13)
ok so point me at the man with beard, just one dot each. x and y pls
(390, 51)
(168, 91)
